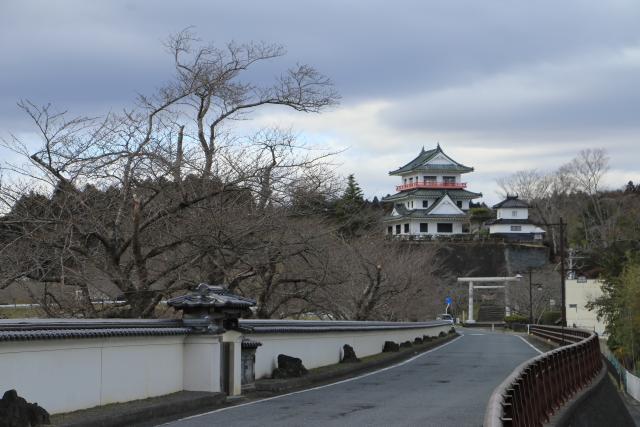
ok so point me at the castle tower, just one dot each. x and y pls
(431, 198)
(513, 222)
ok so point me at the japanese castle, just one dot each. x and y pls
(431, 198)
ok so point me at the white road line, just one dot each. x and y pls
(319, 387)
(530, 345)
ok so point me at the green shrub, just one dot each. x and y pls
(550, 317)
(480, 214)
(516, 318)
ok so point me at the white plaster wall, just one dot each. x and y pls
(402, 222)
(420, 177)
(507, 213)
(201, 363)
(457, 228)
(67, 375)
(506, 228)
(580, 294)
(433, 228)
(321, 349)
(633, 385)
(414, 228)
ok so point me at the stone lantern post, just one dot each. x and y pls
(211, 309)
(212, 312)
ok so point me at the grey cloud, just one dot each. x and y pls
(598, 94)
(429, 59)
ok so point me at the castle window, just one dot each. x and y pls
(516, 228)
(449, 179)
(398, 229)
(425, 203)
(459, 203)
(389, 230)
(406, 228)
(430, 178)
(445, 227)
(514, 213)
(424, 227)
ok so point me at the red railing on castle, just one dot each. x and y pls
(540, 386)
(432, 184)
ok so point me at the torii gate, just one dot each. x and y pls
(471, 280)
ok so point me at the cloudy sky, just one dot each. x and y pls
(502, 85)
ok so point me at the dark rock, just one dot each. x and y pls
(442, 334)
(417, 341)
(348, 354)
(289, 367)
(405, 344)
(426, 338)
(17, 412)
(390, 346)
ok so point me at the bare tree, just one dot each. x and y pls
(372, 278)
(572, 189)
(545, 287)
(117, 197)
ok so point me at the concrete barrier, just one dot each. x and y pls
(599, 404)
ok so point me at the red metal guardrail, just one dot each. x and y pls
(536, 389)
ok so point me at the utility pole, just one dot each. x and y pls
(530, 300)
(563, 274)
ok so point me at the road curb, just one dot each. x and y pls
(346, 370)
(139, 411)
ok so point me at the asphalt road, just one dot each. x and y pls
(448, 386)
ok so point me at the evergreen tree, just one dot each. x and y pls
(350, 209)
(375, 203)
(353, 193)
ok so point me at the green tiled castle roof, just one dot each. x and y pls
(428, 193)
(417, 164)
(422, 213)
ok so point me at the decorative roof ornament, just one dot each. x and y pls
(212, 308)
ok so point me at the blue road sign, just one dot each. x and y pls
(447, 300)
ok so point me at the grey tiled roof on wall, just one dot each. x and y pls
(50, 334)
(306, 326)
(52, 329)
(48, 329)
